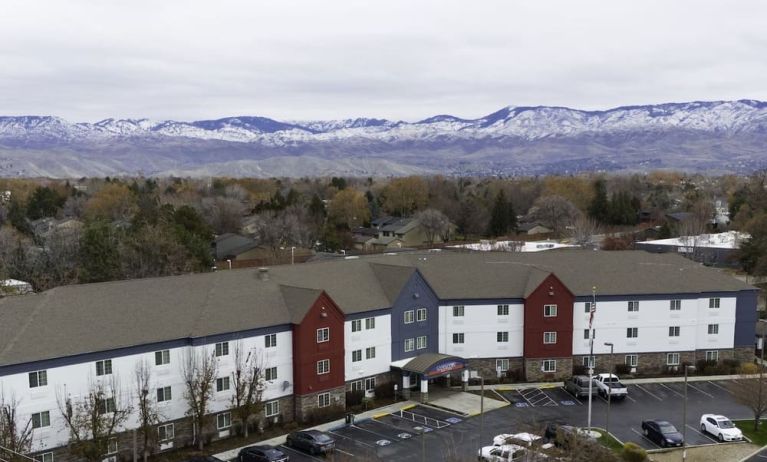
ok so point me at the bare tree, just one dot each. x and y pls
(434, 224)
(583, 230)
(93, 419)
(556, 212)
(223, 214)
(751, 391)
(249, 384)
(15, 435)
(147, 406)
(199, 371)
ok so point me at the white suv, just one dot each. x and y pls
(721, 427)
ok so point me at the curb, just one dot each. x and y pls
(753, 454)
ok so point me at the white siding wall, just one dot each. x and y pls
(480, 324)
(74, 380)
(379, 337)
(653, 320)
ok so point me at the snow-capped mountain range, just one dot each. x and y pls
(714, 136)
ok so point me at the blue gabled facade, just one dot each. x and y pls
(416, 294)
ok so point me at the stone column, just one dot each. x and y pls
(424, 390)
(465, 379)
(406, 385)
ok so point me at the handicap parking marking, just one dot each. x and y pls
(576, 400)
(671, 389)
(521, 405)
(567, 402)
(301, 454)
(648, 392)
(537, 397)
(453, 420)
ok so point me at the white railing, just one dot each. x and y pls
(421, 419)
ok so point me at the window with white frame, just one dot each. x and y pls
(323, 334)
(409, 344)
(112, 446)
(357, 385)
(370, 352)
(421, 314)
(502, 364)
(420, 342)
(503, 310)
(38, 379)
(713, 302)
(549, 338)
(356, 356)
(370, 323)
(166, 432)
(224, 420)
(713, 329)
(550, 311)
(270, 373)
(41, 419)
(106, 405)
(370, 384)
(675, 305)
(323, 366)
(588, 361)
(632, 332)
(104, 367)
(164, 394)
(673, 331)
(549, 365)
(458, 337)
(501, 337)
(222, 384)
(270, 341)
(271, 408)
(46, 457)
(356, 325)
(409, 316)
(630, 360)
(161, 357)
(633, 306)
(712, 355)
(587, 307)
(222, 349)
(672, 359)
(458, 311)
(323, 400)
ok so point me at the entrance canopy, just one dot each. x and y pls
(431, 365)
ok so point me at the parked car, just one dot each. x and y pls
(311, 441)
(504, 453)
(523, 439)
(203, 459)
(610, 384)
(261, 454)
(721, 427)
(578, 386)
(662, 433)
(560, 435)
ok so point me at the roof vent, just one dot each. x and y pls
(263, 274)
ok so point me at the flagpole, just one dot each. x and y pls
(591, 349)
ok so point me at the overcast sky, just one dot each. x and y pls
(401, 59)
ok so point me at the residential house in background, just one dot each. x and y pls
(388, 232)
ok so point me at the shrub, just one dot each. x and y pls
(580, 370)
(385, 390)
(622, 369)
(633, 453)
(514, 375)
(354, 398)
(749, 368)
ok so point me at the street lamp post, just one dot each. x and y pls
(610, 394)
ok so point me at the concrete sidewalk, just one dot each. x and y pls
(692, 378)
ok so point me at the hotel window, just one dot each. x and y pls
(713, 329)
(712, 356)
(550, 311)
(323, 366)
(161, 357)
(112, 446)
(587, 307)
(357, 385)
(270, 373)
(370, 323)
(104, 367)
(458, 337)
(222, 349)
(502, 365)
(675, 305)
(501, 337)
(224, 420)
(713, 302)
(586, 335)
(631, 360)
(549, 365)
(47, 457)
(458, 311)
(272, 408)
(420, 343)
(672, 359)
(409, 344)
(673, 331)
(632, 332)
(270, 341)
(166, 432)
(356, 356)
(549, 338)
(357, 325)
(370, 352)
(633, 307)
(323, 335)
(163, 394)
(222, 383)
(370, 384)
(409, 316)
(41, 419)
(105, 405)
(323, 400)
(588, 361)
(503, 310)
(421, 314)
(38, 379)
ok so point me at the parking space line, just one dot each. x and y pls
(350, 438)
(721, 387)
(372, 432)
(696, 430)
(698, 389)
(344, 452)
(648, 392)
(671, 389)
(523, 397)
(644, 437)
(501, 396)
(577, 400)
(288, 448)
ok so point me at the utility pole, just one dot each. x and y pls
(610, 394)
(481, 406)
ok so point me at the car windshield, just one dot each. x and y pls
(322, 438)
(666, 429)
(726, 423)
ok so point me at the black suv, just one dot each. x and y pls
(311, 441)
(261, 454)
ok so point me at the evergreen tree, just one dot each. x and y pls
(44, 202)
(599, 208)
(500, 222)
(99, 255)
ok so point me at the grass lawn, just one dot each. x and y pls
(747, 427)
(609, 442)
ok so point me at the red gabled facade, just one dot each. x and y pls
(307, 351)
(550, 292)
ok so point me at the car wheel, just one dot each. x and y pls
(703, 428)
(721, 438)
(312, 451)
